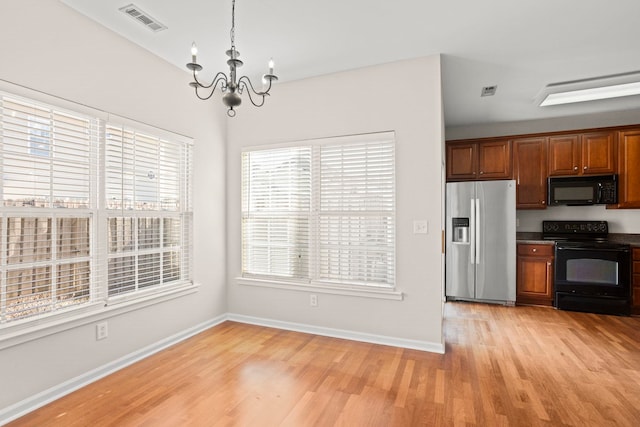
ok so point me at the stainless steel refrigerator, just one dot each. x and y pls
(481, 241)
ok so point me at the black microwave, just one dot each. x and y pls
(583, 190)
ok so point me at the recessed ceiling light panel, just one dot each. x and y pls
(607, 87)
(593, 94)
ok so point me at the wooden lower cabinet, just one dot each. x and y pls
(635, 300)
(534, 274)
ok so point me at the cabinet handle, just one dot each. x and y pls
(543, 202)
(549, 264)
(534, 250)
(584, 168)
(481, 172)
(575, 168)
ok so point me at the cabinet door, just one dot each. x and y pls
(564, 155)
(598, 153)
(534, 283)
(494, 160)
(462, 161)
(629, 169)
(530, 172)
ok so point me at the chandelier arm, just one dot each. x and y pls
(213, 86)
(244, 81)
(216, 79)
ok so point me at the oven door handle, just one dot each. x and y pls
(593, 249)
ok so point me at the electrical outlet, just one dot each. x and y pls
(313, 300)
(102, 331)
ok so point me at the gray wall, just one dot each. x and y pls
(359, 101)
(51, 48)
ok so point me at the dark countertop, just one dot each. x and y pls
(631, 239)
(530, 237)
(536, 238)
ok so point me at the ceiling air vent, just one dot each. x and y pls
(489, 90)
(143, 17)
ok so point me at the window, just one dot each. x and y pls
(148, 209)
(80, 198)
(321, 212)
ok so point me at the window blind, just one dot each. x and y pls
(322, 211)
(47, 156)
(356, 212)
(276, 205)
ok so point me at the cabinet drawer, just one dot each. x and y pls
(535, 249)
(636, 280)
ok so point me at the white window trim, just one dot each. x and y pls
(360, 290)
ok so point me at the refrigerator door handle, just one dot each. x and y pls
(472, 234)
(477, 232)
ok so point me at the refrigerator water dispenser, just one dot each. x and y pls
(460, 227)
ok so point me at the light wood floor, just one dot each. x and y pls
(520, 366)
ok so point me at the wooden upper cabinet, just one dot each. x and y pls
(494, 159)
(480, 160)
(462, 161)
(598, 153)
(629, 169)
(591, 153)
(530, 172)
(564, 155)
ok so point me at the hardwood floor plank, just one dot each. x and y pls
(515, 366)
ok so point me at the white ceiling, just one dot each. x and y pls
(519, 45)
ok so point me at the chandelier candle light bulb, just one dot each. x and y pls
(231, 86)
(194, 52)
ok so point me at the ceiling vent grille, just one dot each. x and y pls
(489, 90)
(142, 17)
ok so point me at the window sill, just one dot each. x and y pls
(19, 334)
(369, 292)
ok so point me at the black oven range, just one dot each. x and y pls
(591, 273)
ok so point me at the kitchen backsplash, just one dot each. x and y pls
(620, 220)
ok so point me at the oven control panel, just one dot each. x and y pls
(569, 229)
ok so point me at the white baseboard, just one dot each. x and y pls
(340, 333)
(34, 402)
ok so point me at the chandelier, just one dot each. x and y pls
(230, 85)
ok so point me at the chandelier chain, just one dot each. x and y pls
(233, 24)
